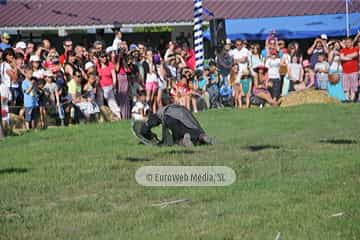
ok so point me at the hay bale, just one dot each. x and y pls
(308, 96)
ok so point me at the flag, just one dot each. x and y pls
(208, 12)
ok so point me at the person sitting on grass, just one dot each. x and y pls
(30, 98)
(179, 126)
(245, 87)
(261, 85)
(141, 108)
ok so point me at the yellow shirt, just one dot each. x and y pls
(74, 88)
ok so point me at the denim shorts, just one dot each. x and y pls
(30, 113)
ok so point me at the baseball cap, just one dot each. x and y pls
(21, 45)
(89, 65)
(133, 47)
(34, 58)
(109, 49)
(324, 36)
(48, 74)
(228, 41)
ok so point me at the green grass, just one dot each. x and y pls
(78, 183)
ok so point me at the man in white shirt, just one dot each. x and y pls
(240, 55)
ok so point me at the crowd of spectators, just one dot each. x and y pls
(130, 80)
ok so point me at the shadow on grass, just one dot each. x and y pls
(137, 159)
(256, 148)
(181, 151)
(338, 141)
(13, 170)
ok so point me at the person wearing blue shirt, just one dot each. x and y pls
(30, 98)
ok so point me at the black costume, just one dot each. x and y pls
(176, 121)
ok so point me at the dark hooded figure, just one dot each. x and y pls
(179, 126)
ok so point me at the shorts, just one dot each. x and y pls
(30, 114)
(151, 86)
(350, 82)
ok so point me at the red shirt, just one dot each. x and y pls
(190, 62)
(105, 75)
(62, 59)
(350, 66)
(182, 88)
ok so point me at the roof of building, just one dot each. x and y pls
(51, 13)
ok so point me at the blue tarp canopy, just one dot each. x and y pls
(294, 27)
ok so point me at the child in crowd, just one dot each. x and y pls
(245, 87)
(53, 95)
(309, 74)
(214, 80)
(141, 108)
(322, 70)
(30, 98)
(183, 89)
(296, 74)
(198, 91)
(89, 93)
(42, 101)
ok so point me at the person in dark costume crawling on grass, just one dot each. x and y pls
(179, 126)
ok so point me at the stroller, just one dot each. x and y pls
(226, 97)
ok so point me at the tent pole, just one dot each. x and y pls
(347, 19)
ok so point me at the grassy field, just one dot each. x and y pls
(296, 167)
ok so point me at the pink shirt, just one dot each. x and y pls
(105, 75)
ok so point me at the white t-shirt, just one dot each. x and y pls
(4, 76)
(295, 70)
(273, 65)
(237, 54)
